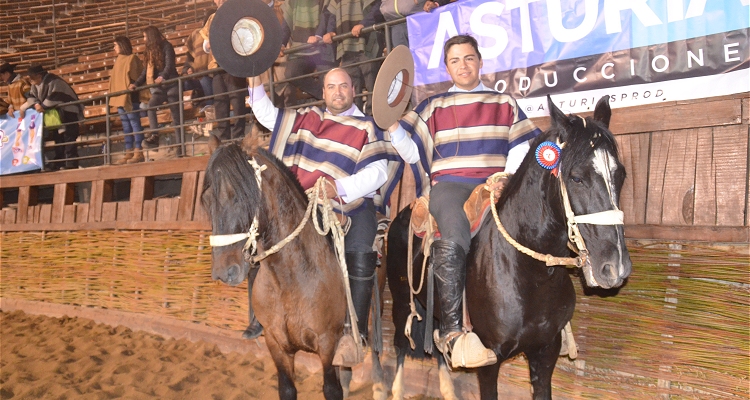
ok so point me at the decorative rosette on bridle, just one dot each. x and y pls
(548, 155)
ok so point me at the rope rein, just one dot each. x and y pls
(317, 195)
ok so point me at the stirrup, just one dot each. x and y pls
(348, 353)
(464, 350)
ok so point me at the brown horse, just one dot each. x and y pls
(298, 293)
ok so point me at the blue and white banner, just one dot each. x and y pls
(636, 51)
(21, 142)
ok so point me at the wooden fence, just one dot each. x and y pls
(679, 327)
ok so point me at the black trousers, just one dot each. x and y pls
(67, 135)
(223, 83)
(159, 96)
(363, 230)
(447, 206)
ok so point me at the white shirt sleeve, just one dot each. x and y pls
(404, 145)
(365, 182)
(516, 156)
(263, 108)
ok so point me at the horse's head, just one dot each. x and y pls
(592, 175)
(232, 198)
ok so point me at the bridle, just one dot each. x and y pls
(252, 234)
(614, 216)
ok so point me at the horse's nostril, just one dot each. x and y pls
(233, 272)
(609, 272)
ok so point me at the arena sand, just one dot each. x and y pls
(76, 358)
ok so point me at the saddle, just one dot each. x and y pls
(476, 208)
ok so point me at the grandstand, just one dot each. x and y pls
(74, 40)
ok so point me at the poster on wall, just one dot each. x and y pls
(20, 142)
(637, 52)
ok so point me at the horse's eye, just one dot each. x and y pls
(576, 179)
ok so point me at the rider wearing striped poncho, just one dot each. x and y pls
(459, 139)
(345, 146)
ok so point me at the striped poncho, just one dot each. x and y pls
(465, 137)
(314, 144)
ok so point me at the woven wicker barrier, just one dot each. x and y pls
(680, 327)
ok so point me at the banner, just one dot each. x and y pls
(637, 52)
(21, 142)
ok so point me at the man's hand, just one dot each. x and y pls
(498, 186)
(38, 107)
(131, 86)
(393, 127)
(312, 39)
(159, 79)
(430, 5)
(330, 190)
(328, 37)
(357, 29)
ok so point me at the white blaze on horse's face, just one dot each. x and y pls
(605, 165)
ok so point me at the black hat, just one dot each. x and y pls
(36, 69)
(7, 67)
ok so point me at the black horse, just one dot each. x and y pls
(518, 304)
(298, 293)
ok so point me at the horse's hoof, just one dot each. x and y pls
(253, 331)
(379, 391)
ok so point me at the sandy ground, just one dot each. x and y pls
(76, 358)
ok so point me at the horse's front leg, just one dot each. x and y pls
(284, 368)
(446, 383)
(379, 391)
(332, 387)
(488, 381)
(398, 381)
(541, 366)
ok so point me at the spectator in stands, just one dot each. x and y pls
(127, 69)
(50, 91)
(223, 83)
(199, 60)
(159, 58)
(18, 89)
(340, 17)
(390, 10)
(301, 20)
(192, 84)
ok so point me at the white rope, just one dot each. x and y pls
(317, 195)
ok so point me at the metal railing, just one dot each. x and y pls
(109, 136)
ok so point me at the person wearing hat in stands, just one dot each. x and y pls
(18, 89)
(342, 145)
(49, 91)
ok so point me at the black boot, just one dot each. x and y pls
(361, 268)
(254, 329)
(460, 349)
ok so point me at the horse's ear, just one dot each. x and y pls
(250, 144)
(558, 119)
(213, 143)
(602, 112)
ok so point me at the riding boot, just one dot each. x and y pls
(254, 329)
(461, 349)
(361, 267)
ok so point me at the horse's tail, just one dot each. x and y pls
(398, 283)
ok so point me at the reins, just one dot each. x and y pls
(317, 195)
